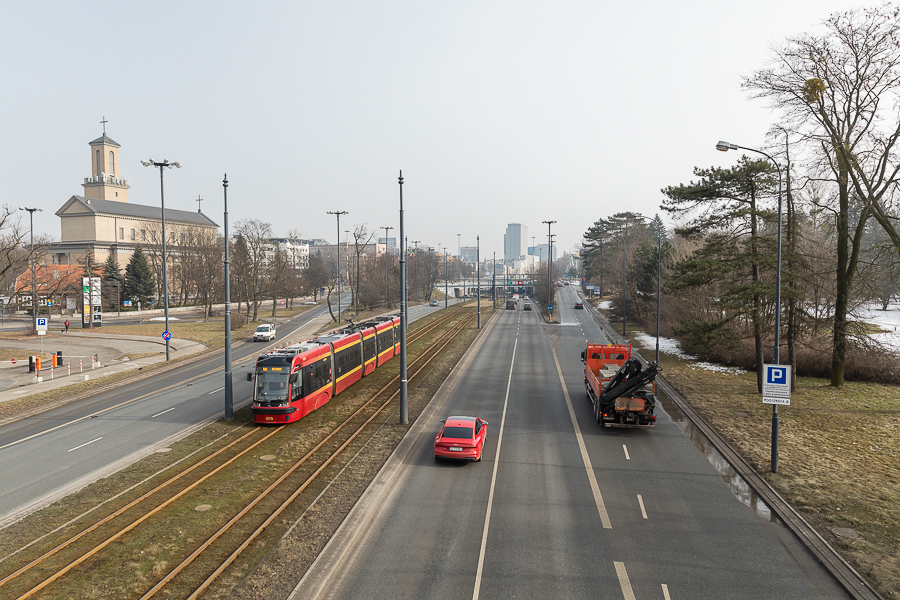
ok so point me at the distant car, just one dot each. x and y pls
(526, 306)
(433, 303)
(510, 305)
(461, 438)
(264, 333)
(579, 305)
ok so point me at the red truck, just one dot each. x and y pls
(617, 384)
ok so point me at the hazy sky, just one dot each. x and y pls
(497, 112)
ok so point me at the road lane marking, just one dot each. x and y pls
(598, 498)
(625, 448)
(643, 510)
(666, 592)
(627, 592)
(487, 516)
(214, 391)
(85, 444)
(162, 413)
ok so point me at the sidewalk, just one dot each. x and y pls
(109, 351)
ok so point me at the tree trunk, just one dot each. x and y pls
(755, 312)
(839, 333)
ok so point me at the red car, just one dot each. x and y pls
(461, 438)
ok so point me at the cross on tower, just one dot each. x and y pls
(199, 200)
(104, 122)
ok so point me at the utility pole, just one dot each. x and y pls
(404, 399)
(229, 391)
(337, 253)
(386, 254)
(478, 275)
(549, 260)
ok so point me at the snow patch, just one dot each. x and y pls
(673, 348)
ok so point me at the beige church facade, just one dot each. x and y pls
(103, 219)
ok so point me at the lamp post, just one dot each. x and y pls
(494, 280)
(416, 270)
(549, 260)
(404, 399)
(725, 147)
(165, 164)
(478, 275)
(34, 304)
(229, 393)
(386, 253)
(338, 214)
(446, 278)
(458, 258)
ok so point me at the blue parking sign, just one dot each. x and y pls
(776, 384)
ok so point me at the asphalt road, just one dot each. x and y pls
(48, 456)
(558, 507)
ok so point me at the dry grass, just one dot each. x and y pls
(839, 456)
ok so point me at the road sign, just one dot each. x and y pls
(777, 384)
(42, 324)
(589, 286)
(167, 335)
(550, 307)
(126, 302)
(13, 361)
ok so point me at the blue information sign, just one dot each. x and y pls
(167, 335)
(550, 307)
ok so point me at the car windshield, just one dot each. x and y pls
(263, 329)
(460, 433)
(271, 386)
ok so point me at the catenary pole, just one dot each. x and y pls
(229, 390)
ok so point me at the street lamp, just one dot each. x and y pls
(31, 212)
(386, 229)
(458, 259)
(165, 164)
(404, 396)
(725, 147)
(338, 213)
(549, 259)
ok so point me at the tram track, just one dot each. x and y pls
(298, 478)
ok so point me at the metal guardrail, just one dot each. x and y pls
(845, 575)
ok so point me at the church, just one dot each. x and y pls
(103, 219)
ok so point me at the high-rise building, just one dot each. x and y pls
(514, 241)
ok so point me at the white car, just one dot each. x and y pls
(264, 333)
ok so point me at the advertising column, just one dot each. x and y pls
(91, 301)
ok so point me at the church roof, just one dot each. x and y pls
(137, 211)
(104, 139)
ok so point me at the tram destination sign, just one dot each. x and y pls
(776, 384)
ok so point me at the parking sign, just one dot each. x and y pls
(42, 324)
(777, 384)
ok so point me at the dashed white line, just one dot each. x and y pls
(666, 592)
(84, 444)
(625, 448)
(643, 510)
(163, 412)
(623, 581)
(214, 391)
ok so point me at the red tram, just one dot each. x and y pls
(293, 381)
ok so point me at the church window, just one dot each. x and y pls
(132, 235)
(121, 233)
(112, 164)
(173, 238)
(181, 239)
(98, 163)
(143, 235)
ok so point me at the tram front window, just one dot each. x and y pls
(271, 387)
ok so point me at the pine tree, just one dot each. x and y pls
(139, 285)
(112, 281)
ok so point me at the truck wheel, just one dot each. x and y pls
(597, 412)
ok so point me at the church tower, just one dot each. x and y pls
(105, 182)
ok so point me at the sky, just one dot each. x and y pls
(497, 112)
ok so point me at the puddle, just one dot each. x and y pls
(743, 492)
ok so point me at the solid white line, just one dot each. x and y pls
(643, 510)
(487, 517)
(163, 412)
(85, 444)
(623, 581)
(625, 448)
(592, 479)
(666, 592)
(214, 391)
